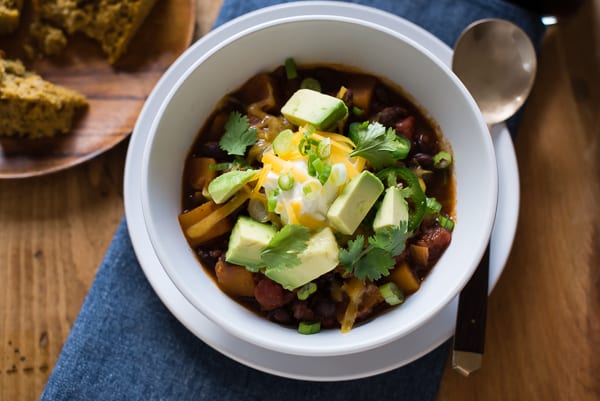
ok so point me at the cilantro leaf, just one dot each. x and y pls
(374, 264)
(376, 259)
(379, 145)
(238, 134)
(349, 257)
(391, 239)
(284, 247)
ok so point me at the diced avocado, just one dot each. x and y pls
(307, 106)
(320, 256)
(227, 184)
(350, 208)
(248, 239)
(393, 209)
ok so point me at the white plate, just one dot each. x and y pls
(358, 365)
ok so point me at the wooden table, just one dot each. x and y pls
(543, 340)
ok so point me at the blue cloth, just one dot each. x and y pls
(125, 345)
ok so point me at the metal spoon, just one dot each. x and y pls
(497, 63)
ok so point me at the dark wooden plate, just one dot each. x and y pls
(116, 93)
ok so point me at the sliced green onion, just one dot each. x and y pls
(290, 68)
(324, 148)
(220, 166)
(285, 182)
(338, 174)
(311, 189)
(310, 83)
(306, 142)
(445, 222)
(309, 129)
(309, 328)
(322, 170)
(357, 111)
(306, 291)
(272, 200)
(312, 157)
(432, 206)
(282, 143)
(391, 293)
(442, 159)
(302, 148)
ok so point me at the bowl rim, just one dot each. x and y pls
(294, 348)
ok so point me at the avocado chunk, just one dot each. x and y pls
(320, 256)
(227, 184)
(393, 210)
(350, 208)
(248, 239)
(307, 106)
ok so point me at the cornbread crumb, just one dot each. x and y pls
(32, 107)
(10, 14)
(112, 23)
(46, 38)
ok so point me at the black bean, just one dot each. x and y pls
(280, 315)
(212, 149)
(426, 142)
(325, 307)
(302, 312)
(390, 115)
(425, 160)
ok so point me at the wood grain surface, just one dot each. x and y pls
(543, 336)
(115, 93)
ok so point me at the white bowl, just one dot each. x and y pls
(319, 39)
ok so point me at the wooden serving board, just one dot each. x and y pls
(115, 93)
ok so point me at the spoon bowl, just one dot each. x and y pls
(497, 63)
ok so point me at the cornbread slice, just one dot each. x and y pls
(112, 23)
(10, 13)
(32, 107)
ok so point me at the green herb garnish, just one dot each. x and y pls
(379, 145)
(284, 247)
(238, 134)
(376, 259)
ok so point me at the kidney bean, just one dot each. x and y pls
(406, 127)
(302, 312)
(271, 295)
(436, 239)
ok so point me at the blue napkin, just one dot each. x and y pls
(125, 345)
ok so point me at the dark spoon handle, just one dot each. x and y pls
(469, 335)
